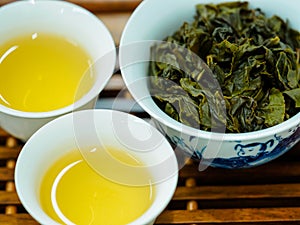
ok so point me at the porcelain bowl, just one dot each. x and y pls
(77, 25)
(240, 150)
(104, 129)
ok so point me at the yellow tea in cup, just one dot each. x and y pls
(72, 192)
(41, 72)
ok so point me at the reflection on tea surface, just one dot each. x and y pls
(71, 191)
(41, 72)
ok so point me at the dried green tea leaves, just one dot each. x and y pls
(254, 59)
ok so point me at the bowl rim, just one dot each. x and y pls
(97, 86)
(163, 118)
(170, 182)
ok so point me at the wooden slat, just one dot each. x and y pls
(6, 174)
(7, 198)
(115, 22)
(228, 216)
(8, 153)
(17, 219)
(276, 172)
(232, 216)
(3, 133)
(238, 192)
(97, 6)
(4, 2)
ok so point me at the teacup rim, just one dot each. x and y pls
(147, 217)
(95, 89)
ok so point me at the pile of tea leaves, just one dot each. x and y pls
(253, 58)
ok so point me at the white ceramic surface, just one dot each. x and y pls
(72, 22)
(89, 128)
(212, 149)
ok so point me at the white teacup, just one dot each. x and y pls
(63, 19)
(96, 127)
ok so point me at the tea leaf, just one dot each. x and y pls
(295, 95)
(254, 59)
(274, 111)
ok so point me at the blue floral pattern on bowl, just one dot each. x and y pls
(239, 154)
(244, 161)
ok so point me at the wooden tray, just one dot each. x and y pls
(268, 194)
